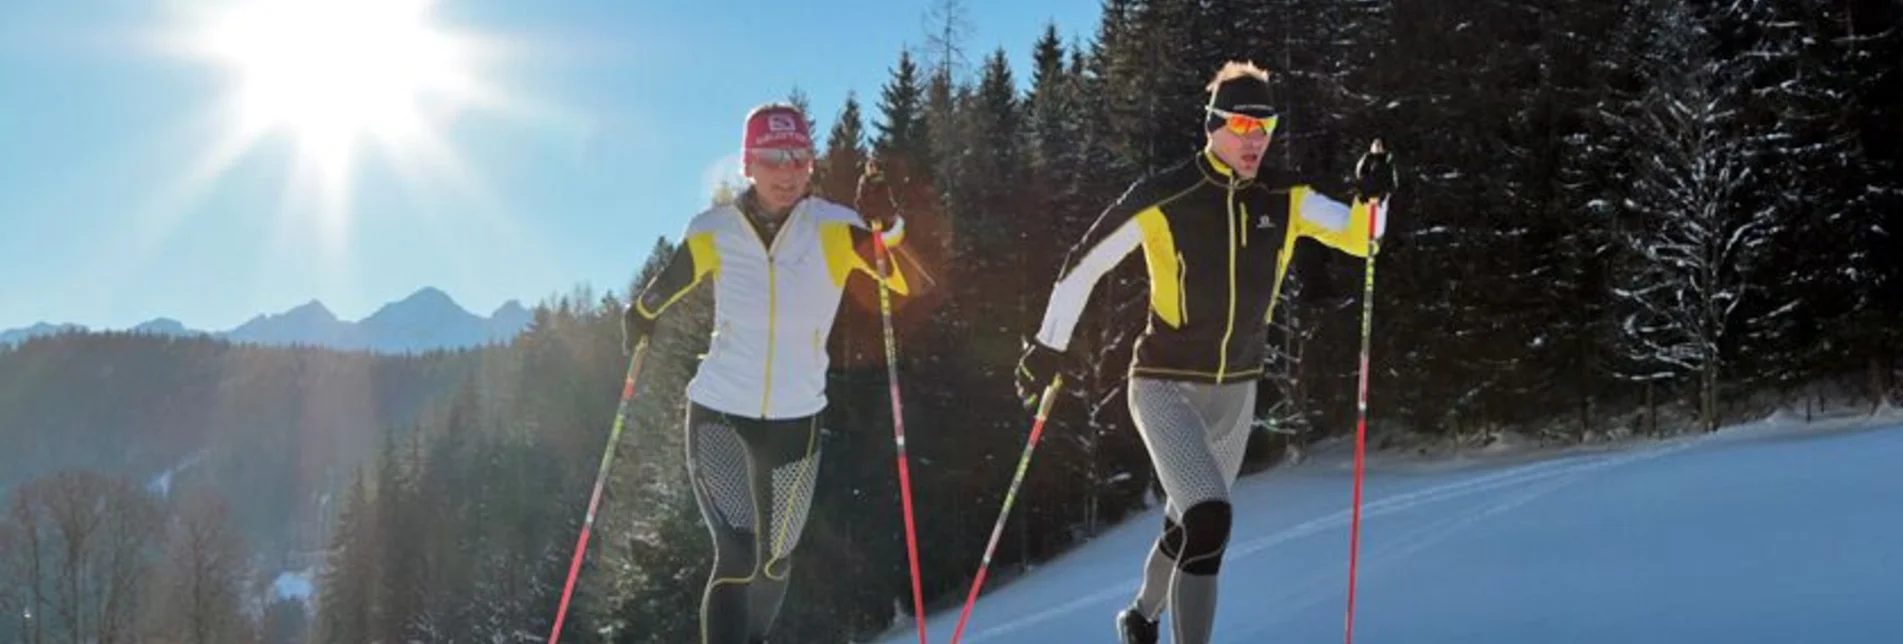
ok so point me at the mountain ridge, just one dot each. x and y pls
(428, 319)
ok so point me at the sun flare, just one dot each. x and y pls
(336, 74)
(341, 81)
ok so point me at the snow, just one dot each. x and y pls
(293, 585)
(1764, 532)
(161, 485)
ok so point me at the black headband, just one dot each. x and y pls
(1246, 95)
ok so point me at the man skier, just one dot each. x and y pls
(777, 259)
(1216, 235)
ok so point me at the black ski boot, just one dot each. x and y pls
(1132, 628)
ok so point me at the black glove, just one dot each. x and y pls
(1036, 368)
(634, 328)
(1375, 177)
(874, 199)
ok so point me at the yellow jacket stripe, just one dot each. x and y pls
(1343, 228)
(702, 261)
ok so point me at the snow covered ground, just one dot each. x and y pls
(293, 585)
(1768, 532)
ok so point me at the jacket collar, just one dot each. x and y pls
(1218, 172)
(749, 204)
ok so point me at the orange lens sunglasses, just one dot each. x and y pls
(1243, 124)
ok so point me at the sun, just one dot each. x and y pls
(339, 74)
(341, 81)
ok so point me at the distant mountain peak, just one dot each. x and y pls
(16, 336)
(511, 308)
(310, 310)
(427, 305)
(163, 326)
(430, 295)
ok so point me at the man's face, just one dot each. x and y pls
(1240, 142)
(780, 176)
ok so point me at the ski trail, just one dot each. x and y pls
(1290, 601)
(1556, 474)
(1515, 477)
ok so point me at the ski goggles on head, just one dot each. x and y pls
(782, 158)
(1241, 124)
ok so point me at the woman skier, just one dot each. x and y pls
(777, 260)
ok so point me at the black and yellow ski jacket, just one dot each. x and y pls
(1217, 246)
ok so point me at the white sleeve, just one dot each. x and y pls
(896, 233)
(1320, 212)
(1073, 289)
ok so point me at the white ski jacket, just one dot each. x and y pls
(774, 302)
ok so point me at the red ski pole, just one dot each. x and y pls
(1011, 495)
(898, 426)
(601, 477)
(1361, 413)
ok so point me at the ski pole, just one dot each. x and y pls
(601, 478)
(898, 425)
(1361, 414)
(1010, 496)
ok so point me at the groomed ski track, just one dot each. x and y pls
(1766, 532)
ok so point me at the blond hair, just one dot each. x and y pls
(1236, 69)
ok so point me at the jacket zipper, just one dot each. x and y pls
(772, 321)
(773, 302)
(1229, 203)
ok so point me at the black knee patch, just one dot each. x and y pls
(1205, 535)
(1172, 542)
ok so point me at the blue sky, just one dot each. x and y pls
(618, 115)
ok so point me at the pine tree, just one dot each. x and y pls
(946, 157)
(1055, 153)
(1696, 237)
(346, 604)
(902, 112)
(837, 175)
(1153, 87)
(399, 568)
(1573, 359)
(992, 161)
(1804, 61)
(1875, 250)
